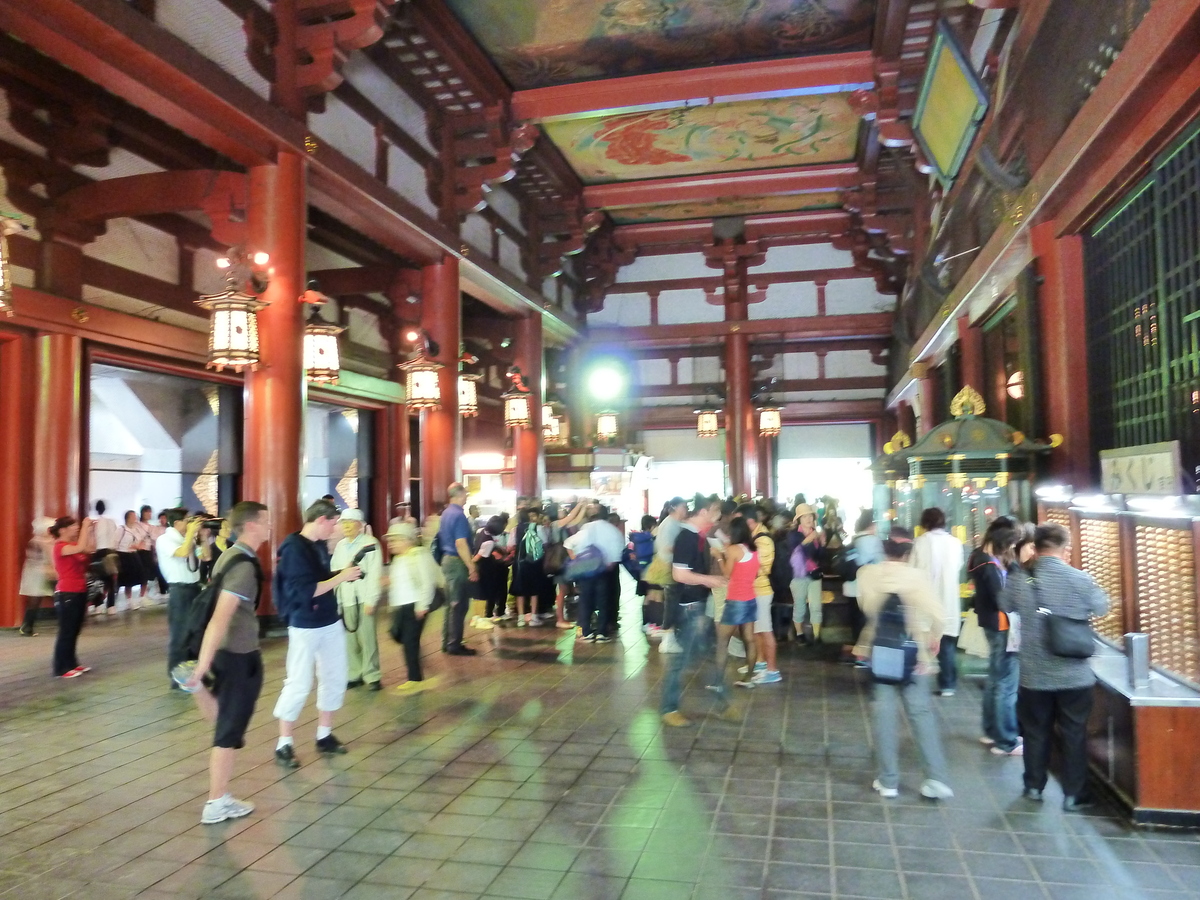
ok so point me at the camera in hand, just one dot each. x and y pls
(358, 557)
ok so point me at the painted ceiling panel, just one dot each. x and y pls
(545, 42)
(725, 206)
(804, 258)
(723, 137)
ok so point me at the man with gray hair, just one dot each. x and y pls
(458, 566)
(358, 599)
(1053, 689)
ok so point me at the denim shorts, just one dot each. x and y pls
(739, 612)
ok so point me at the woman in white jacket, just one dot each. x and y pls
(413, 577)
(942, 556)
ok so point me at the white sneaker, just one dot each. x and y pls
(1018, 750)
(884, 791)
(986, 741)
(935, 790)
(225, 808)
(668, 644)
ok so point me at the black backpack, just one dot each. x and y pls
(847, 564)
(781, 572)
(893, 652)
(200, 613)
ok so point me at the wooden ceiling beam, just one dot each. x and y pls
(811, 412)
(856, 325)
(757, 281)
(741, 81)
(692, 188)
(709, 349)
(698, 232)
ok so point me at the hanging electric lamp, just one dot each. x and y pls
(770, 421)
(322, 361)
(517, 411)
(551, 425)
(233, 328)
(422, 389)
(468, 395)
(606, 426)
(708, 424)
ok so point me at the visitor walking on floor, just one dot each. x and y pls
(1055, 692)
(305, 596)
(941, 555)
(74, 546)
(806, 542)
(37, 573)
(358, 599)
(740, 566)
(922, 618)
(180, 566)
(990, 567)
(229, 651)
(412, 580)
(766, 670)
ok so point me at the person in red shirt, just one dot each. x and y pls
(73, 548)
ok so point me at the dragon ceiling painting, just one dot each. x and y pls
(536, 43)
(722, 137)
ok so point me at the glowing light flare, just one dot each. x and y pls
(606, 382)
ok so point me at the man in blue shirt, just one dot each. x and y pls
(454, 544)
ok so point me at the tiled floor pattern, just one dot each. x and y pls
(537, 770)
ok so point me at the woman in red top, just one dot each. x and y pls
(73, 549)
(740, 566)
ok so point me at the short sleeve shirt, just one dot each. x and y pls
(242, 582)
(691, 552)
(454, 525)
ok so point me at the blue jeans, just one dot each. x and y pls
(593, 599)
(947, 658)
(1000, 692)
(690, 626)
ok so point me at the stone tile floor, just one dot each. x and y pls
(536, 770)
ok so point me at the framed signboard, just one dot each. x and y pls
(1148, 469)
(950, 106)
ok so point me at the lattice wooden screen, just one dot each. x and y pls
(1100, 553)
(1057, 516)
(1166, 569)
(1143, 310)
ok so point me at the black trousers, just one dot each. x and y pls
(179, 605)
(72, 610)
(406, 628)
(1038, 713)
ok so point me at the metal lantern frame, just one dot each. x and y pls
(708, 423)
(518, 399)
(422, 384)
(322, 356)
(468, 395)
(6, 285)
(232, 329)
(770, 421)
(607, 426)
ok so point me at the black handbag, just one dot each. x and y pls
(1067, 637)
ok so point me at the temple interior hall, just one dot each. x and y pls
(919, 270)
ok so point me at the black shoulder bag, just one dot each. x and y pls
(1067, 637)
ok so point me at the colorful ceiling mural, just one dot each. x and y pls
(546, 42)
(722, 137)
(725, 206)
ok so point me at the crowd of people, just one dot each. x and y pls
(716, 578)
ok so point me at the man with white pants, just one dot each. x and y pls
(305, 593)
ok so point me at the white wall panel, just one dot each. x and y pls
(510, 256)
(121, 163)
(678, 444)
(398, 106)
(785, 301)
(477, 231)
(804, 258)
(407, 178)
(706, 369)
(856, 295)
(799, 365)
(346, 131)
(658, 268)
(629, 310)
(685, 307)
(215, 32)
(851, 364)
(509, 208)
(825, 442)
(132, 245)
(654, 371)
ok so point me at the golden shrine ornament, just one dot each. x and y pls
(967, 402)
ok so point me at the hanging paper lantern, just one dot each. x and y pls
(708, 423)
(422, 387)
(468, 395)
(322, 361)
(606, 426)
(516, 409)
(233, 329)
(770, 422)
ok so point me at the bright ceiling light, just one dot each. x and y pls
(606, 382)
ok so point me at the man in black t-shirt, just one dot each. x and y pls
(691, 565)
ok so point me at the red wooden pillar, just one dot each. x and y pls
(527, 442)
(276, 392)
(927, 397)
(907, 419)
(1064, 393)
(16, 457)
(970, 345)
(737, 409)
(766, 466)
(441, 430)
(391, 455)
(58, 425)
